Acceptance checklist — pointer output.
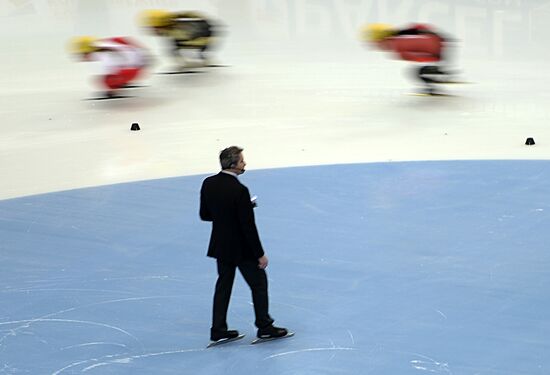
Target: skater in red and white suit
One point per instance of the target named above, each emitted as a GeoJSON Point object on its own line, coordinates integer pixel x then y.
{"type": "Point", "coordinates": [418, 43]}
{"type": "Point", "coordinates": [121, 60]}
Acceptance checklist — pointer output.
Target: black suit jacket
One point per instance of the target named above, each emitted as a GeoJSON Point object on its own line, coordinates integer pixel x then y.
{"type": "Point", "coordinates": [226, 203]}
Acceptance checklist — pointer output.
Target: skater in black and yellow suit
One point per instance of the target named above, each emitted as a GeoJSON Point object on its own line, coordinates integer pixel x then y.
{"type": "Point", "coordinates": [191, 34]}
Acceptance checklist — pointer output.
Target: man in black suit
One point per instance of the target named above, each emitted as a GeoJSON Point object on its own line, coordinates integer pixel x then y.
{"type": "Point", "coordinates": [235, 243]}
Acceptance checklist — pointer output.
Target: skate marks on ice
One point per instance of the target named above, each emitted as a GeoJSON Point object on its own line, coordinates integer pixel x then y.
{"type": "Point", "coordinates": [123, 358]}
{"type": "Point", "coordinates": [26, 323]}
{"type": "Point", "coordinates": [328, 349]}
{"type": "Point", "coordinates": [332, 348]}
{"type": "Point", "coordinates": [97, 343]}
{"type": "Point", "coordinates": [95, 362]}
{"type": "Point", "coordinates": [108, 359]}
{"type": "Point", "coordinates": [21, 324]}
{"type": "Point", "coordinates": [117, 359]}
{"type": "Point", "coordinates": [429, 365]}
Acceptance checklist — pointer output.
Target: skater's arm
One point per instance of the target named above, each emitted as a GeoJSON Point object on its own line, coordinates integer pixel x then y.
{"type": "Point", "coordinates": [203, 210]}
{"type": "Point", "coordinates": [247, 223]}
{"type": "Point", "coordinates": [422, 48]}
{"type": "Point", "coordinates": [418, 56]}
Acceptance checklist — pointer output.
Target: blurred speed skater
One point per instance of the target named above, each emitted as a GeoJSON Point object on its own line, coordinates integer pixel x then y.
{"type": "Point", "coordinates": [121, 60]}
{"type": "Point", "coordinates": [418, 43]}
{"type": "Point", "coordinates": [191, 34]}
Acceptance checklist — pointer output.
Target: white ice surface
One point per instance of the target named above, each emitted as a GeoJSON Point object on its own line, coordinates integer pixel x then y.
{"type": "Point", "coordinates": [300, 89]}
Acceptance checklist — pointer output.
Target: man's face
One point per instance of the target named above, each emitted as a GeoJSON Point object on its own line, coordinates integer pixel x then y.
{"type": "Point", "coordinates": [240, 165]}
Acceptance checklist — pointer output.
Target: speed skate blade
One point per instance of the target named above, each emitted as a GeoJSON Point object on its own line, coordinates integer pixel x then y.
{"type": "Point", "coordinates": [224, 341]}
{"type": "Point", "coordinates": [260, 340]}
{"type": "Point", "coordinates": [110, 97]}
{"type": "Point", "coordinates": [434, 95]}
{"type": "Point", "coordinates": [180, 72]}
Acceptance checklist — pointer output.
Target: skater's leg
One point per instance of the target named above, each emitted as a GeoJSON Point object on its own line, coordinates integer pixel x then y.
{"type": "Point", "coordinates": [222, 295]}
{"type": "Point", "coordinates": [127, 75]}
{"type": "Point", "coordinates": [427, 75]}
{"type": "Point", "coordinates": [178, 55]}
{"type": "Point", "coordinates": [203, 54]}
{"type": "Point", "coordinates": [257, 281]}
{"type": "Point", "coordinates": [112, 82]}
{"type": "Point", "coordinates": [119, 79]}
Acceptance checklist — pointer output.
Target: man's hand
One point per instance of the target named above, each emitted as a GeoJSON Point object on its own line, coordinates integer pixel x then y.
{"type": "Point", "coordinates": [262, 262]}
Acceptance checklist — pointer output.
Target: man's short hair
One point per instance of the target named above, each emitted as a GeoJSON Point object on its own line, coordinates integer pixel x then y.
{"type": "Point", "coordinates": [229, 157]}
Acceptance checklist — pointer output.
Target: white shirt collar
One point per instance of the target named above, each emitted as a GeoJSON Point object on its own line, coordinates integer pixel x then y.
{"type": "Point", "coordinates": [229, 172]}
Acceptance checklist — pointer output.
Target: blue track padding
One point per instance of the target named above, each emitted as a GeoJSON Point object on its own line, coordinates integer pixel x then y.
{"type": "Point", "coordinates": [390, 268]}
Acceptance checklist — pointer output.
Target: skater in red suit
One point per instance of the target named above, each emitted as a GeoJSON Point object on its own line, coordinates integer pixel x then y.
{"type": "Point", "coordinates": [121, 60]}
{"type": "Point", "coordinates": [418, 43]}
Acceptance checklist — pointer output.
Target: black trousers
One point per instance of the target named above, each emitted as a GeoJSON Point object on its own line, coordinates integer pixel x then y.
{"type": "Point", "coordinates": [256, 280]}
{"type": "Point", "coordinates": [428, 74]}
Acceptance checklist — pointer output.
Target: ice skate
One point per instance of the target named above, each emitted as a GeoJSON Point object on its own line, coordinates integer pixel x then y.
{"type": "Point", "coordinates": [271, 333]}
{"type": "Point", "coordinates": [225, 337]}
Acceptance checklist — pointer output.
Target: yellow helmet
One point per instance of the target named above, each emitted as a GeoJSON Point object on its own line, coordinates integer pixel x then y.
{"type": "Point", "coordinates": [376, 32]}
{"type": "Point", "coordinates": [82, 44]}
{"type": "Point", "coordinates": [155, 18]}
